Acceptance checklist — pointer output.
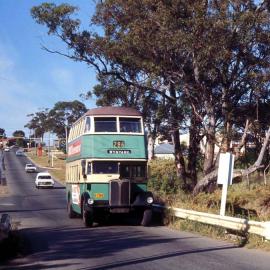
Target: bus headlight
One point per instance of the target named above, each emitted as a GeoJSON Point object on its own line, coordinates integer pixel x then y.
{"type": "Point", "coordinates": [149, 200]}
{"type": "Point", "coordinates": [90, 201]}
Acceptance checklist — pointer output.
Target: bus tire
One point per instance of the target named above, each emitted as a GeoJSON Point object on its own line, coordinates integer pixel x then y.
{"type": "Point", "coordinates": [147, 217]}
{"type": "Point", "coordinates": [71, 212]}
{"type": "Point", "coordinates": [102, 217]}
{"type": "Point", "coordinates": [87, 217]}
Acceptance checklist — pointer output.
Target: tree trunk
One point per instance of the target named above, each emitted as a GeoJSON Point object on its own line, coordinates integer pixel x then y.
{"type": "Point", "coordinates": [237, 149]}
{"type": "Point", "coordinates": [194, 149]}
{"type": "Point", "coordinates": [212, 176]}
{"type": "Point", "coordinates": [179, 159]}
{"type": "Point", "coordinates": [263, 149]}
{"type": "Point", "coordinates": [226, 140]}
{"type": "Point", "coordinates": [175, 119]}
{"type": "Point", "coordinates": [150, 146]}
{"type": "Point", "coordinates": [227, 130]}
{"type": "Point", "coordinates": [210, 146]}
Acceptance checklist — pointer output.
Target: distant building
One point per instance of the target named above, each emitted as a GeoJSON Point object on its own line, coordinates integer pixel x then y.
{"type": "Point", "coordinates": [164, 150]}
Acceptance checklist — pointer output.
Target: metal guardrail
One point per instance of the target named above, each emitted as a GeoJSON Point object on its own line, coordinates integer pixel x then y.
{"type": "Point", "coordinates": [5, 226]}
{"type": "Point", "coordinates": [238, 224]}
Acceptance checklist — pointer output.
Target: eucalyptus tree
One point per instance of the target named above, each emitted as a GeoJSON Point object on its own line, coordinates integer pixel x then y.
{"type": "Point", "coordinates": [116, 57]}
{"type": "Point", "coordinates": [19, 134]}
{"type": "Point", "coordinates": [212, 55]}
{"type": "Point", "coordinates": [63, 115]}
{"type": "Point", "coordinates": [39, 123]}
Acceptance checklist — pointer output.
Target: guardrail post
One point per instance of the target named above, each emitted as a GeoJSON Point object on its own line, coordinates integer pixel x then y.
{"type": "Point", "coordinates": [267, 230]}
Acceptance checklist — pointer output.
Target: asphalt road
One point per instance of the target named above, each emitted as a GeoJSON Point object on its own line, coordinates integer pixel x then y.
{"type": "Point", "coordinates": [56, 242]}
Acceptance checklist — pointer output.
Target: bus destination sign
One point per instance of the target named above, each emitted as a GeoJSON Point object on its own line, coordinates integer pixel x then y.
{"type": "Point", "coordinates": [121, 152]}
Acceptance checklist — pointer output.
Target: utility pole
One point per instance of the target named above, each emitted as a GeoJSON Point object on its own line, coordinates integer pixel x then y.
{"type": "Point", "coordinates": [66, 133]}
{"type": "Point", "coordinates": [49, 147]}
{"type": "Point", "coordinates": [66, 139]}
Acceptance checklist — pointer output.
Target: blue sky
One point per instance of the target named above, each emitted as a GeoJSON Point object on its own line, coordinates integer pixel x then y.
{"type": "Point", "coordinates": [31, 78]}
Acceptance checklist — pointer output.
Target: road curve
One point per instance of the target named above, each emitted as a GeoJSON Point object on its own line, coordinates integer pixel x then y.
{"type": "Point", "coordinates": [56, 242]}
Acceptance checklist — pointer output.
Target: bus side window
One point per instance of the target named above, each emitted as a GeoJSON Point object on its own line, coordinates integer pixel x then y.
{"type": "Point", "coordinates": [89, 171]}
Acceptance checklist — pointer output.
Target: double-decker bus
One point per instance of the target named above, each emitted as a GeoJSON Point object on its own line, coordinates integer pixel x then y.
{"type": "Point", "coordinates": [106, 170]}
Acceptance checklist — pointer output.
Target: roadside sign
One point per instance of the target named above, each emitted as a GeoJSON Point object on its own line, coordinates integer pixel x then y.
{"type": "Point", "coordinates": [225, 168]}
{"type": "Point", "coordinates": [225, 175]}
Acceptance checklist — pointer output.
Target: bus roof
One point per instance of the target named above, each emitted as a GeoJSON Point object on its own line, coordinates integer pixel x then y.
{"type": "Point", "coordinates": [124, 111]}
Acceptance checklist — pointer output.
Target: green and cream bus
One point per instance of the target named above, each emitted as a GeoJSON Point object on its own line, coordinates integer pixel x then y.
{"type": "Point", "coordinates": [106, 170]}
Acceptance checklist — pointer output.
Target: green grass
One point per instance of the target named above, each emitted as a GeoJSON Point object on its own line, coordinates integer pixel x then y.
{"type": "Point", "coordinates": [251, 202]}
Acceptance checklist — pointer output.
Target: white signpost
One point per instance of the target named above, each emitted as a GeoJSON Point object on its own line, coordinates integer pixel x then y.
{"type": "Point", "coordinates": [225, 173]}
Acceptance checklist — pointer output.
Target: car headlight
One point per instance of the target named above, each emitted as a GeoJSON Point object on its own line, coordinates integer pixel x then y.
{"type": "Point", "coordinates": [149, 200]}
{"type": "Point", "coordinates": [90, 201]}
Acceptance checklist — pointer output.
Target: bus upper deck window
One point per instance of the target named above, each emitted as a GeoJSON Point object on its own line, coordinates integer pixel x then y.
{"type": "Point", "coordinates": [105, 124]}
{"type": "Point", "coordinates": [130, 125]}
{"type": "Point", "coordinates": [87, 124]}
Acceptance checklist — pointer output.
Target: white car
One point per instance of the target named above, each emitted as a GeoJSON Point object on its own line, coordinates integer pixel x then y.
{"type": "Point", "coordinates": [7, 149]}
{"type": "Point", "coordinates": [44, 179]}
{"type": "Point", "coordinates": [30, 168]}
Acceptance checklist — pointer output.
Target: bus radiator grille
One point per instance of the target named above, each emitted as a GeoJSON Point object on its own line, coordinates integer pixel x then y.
{"type": "Point", "coordinates": [119, 192]}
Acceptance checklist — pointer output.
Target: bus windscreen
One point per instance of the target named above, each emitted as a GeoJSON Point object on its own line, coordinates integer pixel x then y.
{"type": "Point", "coordinates": [130, 125]}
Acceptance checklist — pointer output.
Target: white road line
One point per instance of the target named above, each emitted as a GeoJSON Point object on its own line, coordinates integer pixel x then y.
{"type": "Point", "coordinates": [7, 204]}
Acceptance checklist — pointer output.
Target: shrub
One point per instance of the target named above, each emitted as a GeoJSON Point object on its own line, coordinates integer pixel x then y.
{"type": "Point", "coordinates": [162, 177]}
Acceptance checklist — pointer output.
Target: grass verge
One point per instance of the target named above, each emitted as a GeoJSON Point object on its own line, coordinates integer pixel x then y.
{"type": "Point", "coordinates": [251, 202]}
{"type": "Point", "coordinates": [250, 241]}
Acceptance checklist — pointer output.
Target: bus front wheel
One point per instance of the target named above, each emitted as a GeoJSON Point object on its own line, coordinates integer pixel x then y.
{"type": "Point", "coordinates": [87, 217]}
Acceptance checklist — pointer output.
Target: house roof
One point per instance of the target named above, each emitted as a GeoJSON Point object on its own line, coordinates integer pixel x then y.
{"type": "Point", "coordinates": [164, 148]}
{"type": "Point", "coordinates": [126, 111]}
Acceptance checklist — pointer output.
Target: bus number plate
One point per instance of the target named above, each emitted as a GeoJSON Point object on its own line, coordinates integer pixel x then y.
{"type": "Point", "coordinates": [99, 195]}
{"type": "Point", "coordinates": [118, 144]}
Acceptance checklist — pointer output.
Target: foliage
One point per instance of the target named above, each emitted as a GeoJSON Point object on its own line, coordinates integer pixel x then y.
{"type": "Point", "coordinates": [2, 132]}
{"type": "Point", "coordinates": [162, 177]}
{"type": "Point", "coordinates": [64, 114]}
{"type": "Point", "coordinates": [61, 116]}
{"type": "Point", "coordinates": [206, 61]}
{"type": "Point", "coordinates": [248, 158]}
{"type": "Point", "coordinates": [243, 200]}
{"type": "Point", "coordinates": [18, 133]}
{"type": "Point", "coordinates": [39, 123]}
